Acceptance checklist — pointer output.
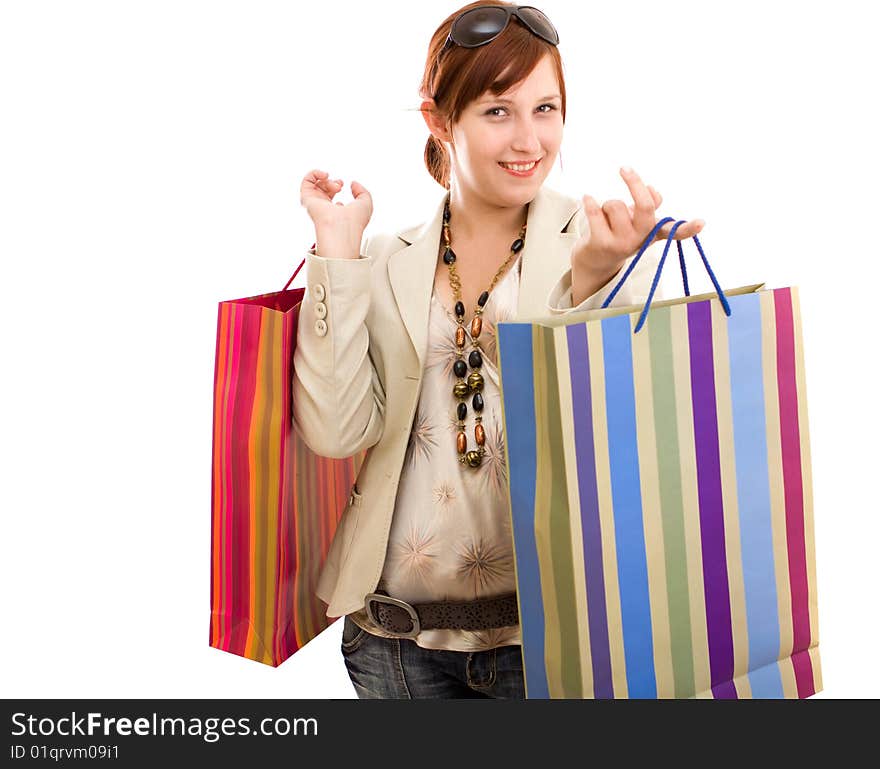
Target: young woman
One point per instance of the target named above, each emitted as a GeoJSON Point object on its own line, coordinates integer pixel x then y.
{"type": "Point", "coordinates": [396, 355]}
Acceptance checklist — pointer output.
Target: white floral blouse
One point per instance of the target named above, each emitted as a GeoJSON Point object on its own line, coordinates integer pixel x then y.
{"type": "Point", "coordinates": [450, 534]}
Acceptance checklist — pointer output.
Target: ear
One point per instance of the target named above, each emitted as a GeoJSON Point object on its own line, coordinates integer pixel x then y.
{"type": "Point", "coordinates": [435, 124]}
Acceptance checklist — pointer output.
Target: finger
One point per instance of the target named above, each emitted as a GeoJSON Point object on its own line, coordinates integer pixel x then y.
{"type": "Point", "coordinates": [330, 185]}
{"type": "Point", "coordinates": [318, 181]}
{"type": "Point", "coordinates": [685, 231]}
{"type": "Point", "coordinates": [315, 175]}
{"type": "Point", "coordinates": [643, 215]}
{"type": "Point", "coordinates": [599, 227]}
{"type": "Point", "coordinates": [358, 189]}
{"type": "Point", "coordinates": [310, 180]}
{"type": "Point", "coordinates": [658, 198]}
{"type": "Point", "coordinates": [620, 221]}
{"type": "Point", "coordinates": [309, 188]}
{"type": "Point", "coordinates": [632, 209]}
{"type": "Point", "coordinates": [323, 192]}
{"type": "Point", "coordinates": [689, 229]}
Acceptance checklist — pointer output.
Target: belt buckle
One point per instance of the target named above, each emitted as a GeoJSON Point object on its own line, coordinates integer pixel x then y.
{"type": "Point", "coordinates": [371, 597]}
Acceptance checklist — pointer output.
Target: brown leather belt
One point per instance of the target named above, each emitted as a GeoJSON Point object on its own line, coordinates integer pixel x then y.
{"type": "Point", "coordinates": [408, 620]}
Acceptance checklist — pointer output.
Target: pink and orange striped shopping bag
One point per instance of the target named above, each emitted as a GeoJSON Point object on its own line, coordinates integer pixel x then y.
{"type": "Point", "coordinates": [274, 503]}
{"type": "Point", "coordinates": [661, 498]}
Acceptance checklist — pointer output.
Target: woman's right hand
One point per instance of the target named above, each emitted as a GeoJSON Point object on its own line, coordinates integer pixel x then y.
{"type": "Point", "coordinates": [339, 227]}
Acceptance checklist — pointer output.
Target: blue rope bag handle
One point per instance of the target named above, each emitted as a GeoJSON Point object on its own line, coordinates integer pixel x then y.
{"type": "Point", "coordinates": [669, 239]}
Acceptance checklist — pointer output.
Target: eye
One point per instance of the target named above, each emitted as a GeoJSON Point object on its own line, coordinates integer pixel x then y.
{"type": "Point", "coordinates": [492, 110]}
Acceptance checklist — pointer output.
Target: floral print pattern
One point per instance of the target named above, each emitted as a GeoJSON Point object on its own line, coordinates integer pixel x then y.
{"type": "Point", "coordinates": [450, 534]}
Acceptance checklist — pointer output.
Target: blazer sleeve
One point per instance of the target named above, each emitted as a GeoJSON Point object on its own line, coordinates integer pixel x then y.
{"type": "Point", "coordinates": [338, 399]}
{"type": "Point", "coordinates": [634, 291]}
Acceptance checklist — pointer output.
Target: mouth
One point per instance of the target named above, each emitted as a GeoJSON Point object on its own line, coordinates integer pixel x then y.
{"type": "Point", "coordinates": [521, 169]}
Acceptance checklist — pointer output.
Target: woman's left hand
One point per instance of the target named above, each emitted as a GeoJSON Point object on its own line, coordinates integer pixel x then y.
{"type": "Point", "coordinates": [617, 231]}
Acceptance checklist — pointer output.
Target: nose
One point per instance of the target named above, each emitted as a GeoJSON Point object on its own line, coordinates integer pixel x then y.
{"type": "Point", "coordinates": [526, 139]}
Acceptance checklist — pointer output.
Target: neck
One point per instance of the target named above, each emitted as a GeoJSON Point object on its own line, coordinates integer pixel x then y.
{"type": "Point", "coordinates": [475, 218]}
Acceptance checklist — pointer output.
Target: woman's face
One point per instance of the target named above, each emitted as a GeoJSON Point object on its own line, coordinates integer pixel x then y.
{"type": "Point", "coordinates": [522, 124]}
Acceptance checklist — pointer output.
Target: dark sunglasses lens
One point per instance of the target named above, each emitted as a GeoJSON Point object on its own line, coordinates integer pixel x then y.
{"type": "Point", "coordinates": [540, 24]}
{"type": "Point", "coordinates": [478, 26]}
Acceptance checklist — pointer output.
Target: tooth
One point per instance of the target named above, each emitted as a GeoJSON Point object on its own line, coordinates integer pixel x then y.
{"type": "Point", "coordinates": [519, 166]}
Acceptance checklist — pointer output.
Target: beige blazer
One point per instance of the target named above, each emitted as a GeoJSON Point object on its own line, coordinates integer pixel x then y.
{"type": "Point", "coordinates": [360, 352]}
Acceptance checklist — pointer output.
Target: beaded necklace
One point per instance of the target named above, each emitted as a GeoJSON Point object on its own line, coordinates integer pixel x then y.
{"type": "Point", "coordinates": [474, 382]}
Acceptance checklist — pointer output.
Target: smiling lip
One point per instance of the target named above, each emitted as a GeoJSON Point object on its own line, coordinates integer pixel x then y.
{"type": "Point", "coordinates": [530, 172]}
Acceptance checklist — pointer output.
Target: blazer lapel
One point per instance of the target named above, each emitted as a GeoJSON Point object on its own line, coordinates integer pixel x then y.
{"type": "Point", "coordinates": [545, 257]}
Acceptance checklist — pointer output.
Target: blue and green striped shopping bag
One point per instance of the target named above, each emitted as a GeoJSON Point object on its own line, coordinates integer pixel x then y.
{"type": "Point", "coordinates": [661, 499]}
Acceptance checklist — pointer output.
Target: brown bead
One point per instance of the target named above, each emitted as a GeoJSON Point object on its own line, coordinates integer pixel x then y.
{"type": "Point", "coordinates": [476, 326]}
{"type": "Point", "coordinates": [461, 443]}
{"type": "Point", "coordinates": [459, 336]}
{"type": "Point", "coordinates": [480, 435]}
{"type": "Point", "coordinates": [460, 389]}
{"type": "Point", "coordinates": [474, 458]}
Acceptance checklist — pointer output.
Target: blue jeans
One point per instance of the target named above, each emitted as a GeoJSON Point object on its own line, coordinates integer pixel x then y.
{"type": "Point", "coordinates": [398, 668]}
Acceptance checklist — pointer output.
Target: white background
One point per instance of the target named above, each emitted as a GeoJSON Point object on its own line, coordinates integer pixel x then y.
{"type": "Point", "coordinates": [152, 154]}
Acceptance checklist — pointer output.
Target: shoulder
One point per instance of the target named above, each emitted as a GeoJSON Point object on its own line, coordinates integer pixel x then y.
{"type": "Point", "coordinates": [385, 243]}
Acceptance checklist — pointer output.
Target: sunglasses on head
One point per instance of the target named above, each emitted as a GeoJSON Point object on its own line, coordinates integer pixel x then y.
{"type": "Point", "coordinates": [482, 25]}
